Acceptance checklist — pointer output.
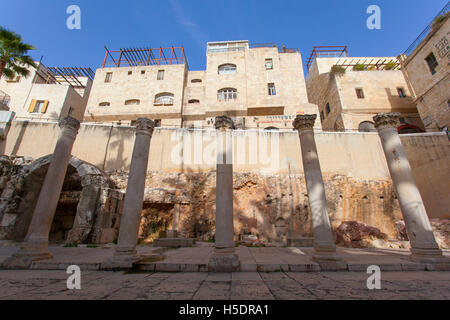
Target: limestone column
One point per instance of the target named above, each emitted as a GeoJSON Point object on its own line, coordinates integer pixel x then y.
{"type": "Point", "coordinates": [125, 253]}
{"type": "Point", "coordinates": [324, 247]}
{"type": "Point", "coordinates": [224, 259]}
{"type": "Point", "coordinates": [35, 246]}
{"type": "Point", "coordinates": [418, 227]}
{"type": "Point", "coordinates": [173, 233]}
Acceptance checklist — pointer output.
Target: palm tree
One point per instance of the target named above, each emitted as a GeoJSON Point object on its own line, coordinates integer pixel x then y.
{"type": "Point", "coordinates": [14, 60]}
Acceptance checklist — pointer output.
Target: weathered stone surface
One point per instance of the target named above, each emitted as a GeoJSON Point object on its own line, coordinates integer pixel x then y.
{"type": "Point", "coordinates": [354, 234]}
{"type": "Point", "coordinates": [270, 207]}
{"type": "Point", "coordinates": [84, 186]}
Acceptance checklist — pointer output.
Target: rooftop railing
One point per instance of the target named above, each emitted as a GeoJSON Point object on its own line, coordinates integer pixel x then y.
{"type": "Point", "coordinates": [426, 31]}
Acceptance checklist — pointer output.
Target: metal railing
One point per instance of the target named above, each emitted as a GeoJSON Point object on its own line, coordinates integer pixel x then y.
{"type": "Point", "coordinates": [426, 31]}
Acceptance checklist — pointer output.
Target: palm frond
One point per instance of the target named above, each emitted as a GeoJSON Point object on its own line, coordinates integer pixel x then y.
{"type": "Point", "coordinates": [13, 54]}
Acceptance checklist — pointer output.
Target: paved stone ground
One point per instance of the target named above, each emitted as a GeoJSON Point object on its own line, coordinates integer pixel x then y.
{"type": "Point", "coordinates": [104, 285]}
{"type": "Point", "coordinates": [266, 259]}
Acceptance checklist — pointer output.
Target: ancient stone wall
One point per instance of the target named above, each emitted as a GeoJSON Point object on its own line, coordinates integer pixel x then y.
{"type": "Point", "coordinates": [270, 192]}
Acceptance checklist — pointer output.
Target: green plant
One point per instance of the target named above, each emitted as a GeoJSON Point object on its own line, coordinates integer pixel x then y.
{"type": "Point", "coordinates": [439, 20]}
{"type": "Point", "coordinates": [71, 245]}
{"type": "Point", "coordinates": [14, 60]}
{"type": "Point", "coordinates": [390, 65]}
{"type": "Point", "coordinates": [359, 67]}
{"type": "Point", "coordinates": [92, 246]}
{"type": "Point", "coordinates": [337, 70]}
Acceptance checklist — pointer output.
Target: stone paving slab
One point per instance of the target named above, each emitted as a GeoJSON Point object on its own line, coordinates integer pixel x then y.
{"type": "Point", "coordinates": [107, 285]}
{"type": "Point", "coordinates": [253, 259]}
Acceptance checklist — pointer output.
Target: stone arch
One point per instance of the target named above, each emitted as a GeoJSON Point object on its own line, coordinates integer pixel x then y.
{"type": "Point", "coordinates": [366, 126]}
{"type": "Point", "coordinates": [90, 188]}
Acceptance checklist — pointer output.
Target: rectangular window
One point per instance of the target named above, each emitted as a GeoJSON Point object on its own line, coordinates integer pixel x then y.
{"type": "Point", "coordinates": [271, 88]}
{"type": "Point", "coordinates": [401, 93]}
{"type": "Point", "coordinates": [432, 63]}
{"type": "Point", "coordinates": [322, 116]}
{"type": "Point", "coordinates": [142, 71]}
{"type": "Point", "coordinates": [360, 93]}
{"type": "Point", "coordinates": [108, 77]}
{"type": "Point", "coordinates": [327, 108]}
{"type": "Point", "coordinates": [160, 75]}
{"type": "Point", "coordinates": [38, 106]}
{"type": "Point", "coordinates": [157, 123]}
{"type": "Point", "coordinates": [269, 64]}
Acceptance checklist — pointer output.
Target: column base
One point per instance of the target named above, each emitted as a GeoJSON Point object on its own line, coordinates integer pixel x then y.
{"type": "Point", "coordinates": [172, 233]}
{"type": "Point", "coordinates": [123, 259]}
{"type": "Point", "coordinates": [224, 260]}
{"type": "Point", "coordinates": [328, 259]}
{"type": "Point", "coordinates": [28, 253]}
{"type": "Point", "coordinates": [428, 256]}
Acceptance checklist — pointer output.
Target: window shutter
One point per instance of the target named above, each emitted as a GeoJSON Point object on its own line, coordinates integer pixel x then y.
{"type": "Point", "coordinates": [32, 105]}
{"type": "Point", "coordinates": [44, 109]}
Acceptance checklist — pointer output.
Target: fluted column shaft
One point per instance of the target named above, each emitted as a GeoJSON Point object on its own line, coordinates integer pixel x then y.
{"type": "Point", "coordinates": [35, 245]}
{"type": "Point", "coordinates": [223, 258]}
{"type": "Point", "coordinates": [132, 208]}
{"type": "Point", "coordinates": [324, 246]}
{"type": "Point", "coordinates": [414, 214]}
{"type": "Point", "coordinates": [224, 240]}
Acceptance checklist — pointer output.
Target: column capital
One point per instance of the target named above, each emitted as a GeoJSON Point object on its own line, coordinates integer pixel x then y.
{"type": "Point", "coordinates": [69, 123]}
{"type": "Point", "coordinates": [144, 126]}
{"type": "Point", "coordinates": [386, 120]}
{"type": "Point", "coordinates": [223, 123]}
{"type": "Point", "coordinates": [304, 122]}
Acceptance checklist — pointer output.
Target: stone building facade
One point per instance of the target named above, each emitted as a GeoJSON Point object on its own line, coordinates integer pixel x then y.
{"type": "Point", "coordinates": [350, 91]}
{"type": "Point", "coordinates": [47, 94]}
{"type": "Point", "coordinates": [260, 86]}
{"type": "Point", "coordinates": [427, 69]}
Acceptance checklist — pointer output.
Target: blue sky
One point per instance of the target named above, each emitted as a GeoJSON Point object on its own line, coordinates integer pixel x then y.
{"type": "Point", "coordinates": [191, 23]}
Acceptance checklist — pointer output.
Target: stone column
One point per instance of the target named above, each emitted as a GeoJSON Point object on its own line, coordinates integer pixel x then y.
{"type": "Point", "coordinates": [125, 254]}
{"type": "Point", "coordinates": [35, 246]}
{"type": "Point", "coordinates": [224, 259]}
{"type": "Point", "coordinates": [423, 244]}
{"type": "Point", "coordinates": [173, 233]}
{"type": "Point", "coordinates": [324, 247]}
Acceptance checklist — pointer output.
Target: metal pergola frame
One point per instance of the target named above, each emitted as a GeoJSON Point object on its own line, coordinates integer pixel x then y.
{"type": "Point", "coordinates": [380, 64]}
{"type": "Point", "coordinates": [135, 57]}
{"type": "Point", "coordinates": [326, 51]}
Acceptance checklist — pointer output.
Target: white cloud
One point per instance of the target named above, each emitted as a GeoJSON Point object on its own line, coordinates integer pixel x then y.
{"type": "Point", "coordinates": [187, 23]}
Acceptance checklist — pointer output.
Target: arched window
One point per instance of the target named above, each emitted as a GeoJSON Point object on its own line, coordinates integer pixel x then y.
{"type": "Point", "coordinates": [271, 128]}
{"type": "Point", "coordinates": [228, 68]}
{"type": "Point", "coordinates": [408, 128]}
{"type": "Point", "coordinates": [104, 104]}
{"type": "Point", "coordinates": [196, 80]}
{"type": "Point", "coordinates": [194, 101]}
{"type": "Point", "coordinates": [132, 102]}
{"type": "Point", "coordinates": [366, 126]}
{"type": "Point", "coordinates": [164, 99]}
{"type": "Point", "coordinates": [227, 94]}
